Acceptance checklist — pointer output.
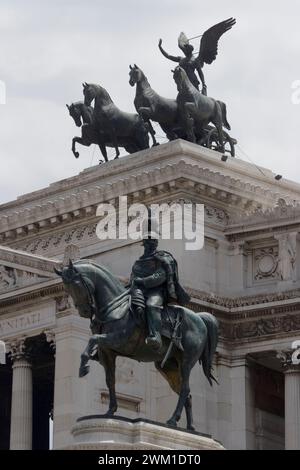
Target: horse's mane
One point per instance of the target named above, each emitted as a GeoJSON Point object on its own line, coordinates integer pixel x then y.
{"type": "Point", "coordinates": [77, 103]}
{"type": "Point", "coordinates": [144, 76]}
{"type": "Point", "coordinates": [105, 96]}
{"type": "Point", "coordinates": [101, 268]}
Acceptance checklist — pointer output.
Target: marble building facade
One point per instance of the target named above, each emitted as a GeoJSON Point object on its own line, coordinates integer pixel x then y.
{"type": "Point", "coordinates": [247, 274]}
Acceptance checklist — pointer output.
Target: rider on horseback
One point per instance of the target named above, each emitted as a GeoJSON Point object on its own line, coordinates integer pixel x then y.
{"type": "Point", "coordinates": [155, 277]}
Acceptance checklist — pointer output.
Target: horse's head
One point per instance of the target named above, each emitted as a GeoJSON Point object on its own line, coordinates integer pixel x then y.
{"type": "Point", "coordinates": [90, 285]}
{"type": "Point", "coordinates": [135, 75]}
{"type": "Point", "coordinates": [89, 93]}
{"type": "Point", "coordinates": [79, 287]}
{"type": "Point", "coordinates": [92, 92]}
{"type": "Point", "coordinates": [75, 113]}
{"type": "Point", "coordinates": [179, 76]}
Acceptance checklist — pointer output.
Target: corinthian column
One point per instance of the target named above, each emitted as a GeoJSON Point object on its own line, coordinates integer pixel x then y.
{"type": "Point", "coordinates": [292, 399]}
{"type": "Point", "coordinates": [21, 402]}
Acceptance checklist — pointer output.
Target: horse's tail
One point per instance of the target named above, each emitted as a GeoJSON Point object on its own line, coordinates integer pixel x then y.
{"type": "Point", "coordinates": [206, 358]}
{"type": "Point", "coordinates": [224, 115]}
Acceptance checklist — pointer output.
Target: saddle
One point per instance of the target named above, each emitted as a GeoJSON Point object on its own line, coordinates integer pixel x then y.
{"type": "Point", "coordinates": [172, 316]}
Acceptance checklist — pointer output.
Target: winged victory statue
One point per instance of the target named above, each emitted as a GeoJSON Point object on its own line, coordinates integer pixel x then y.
{"type": "Point", "coordinates": [208, 52]}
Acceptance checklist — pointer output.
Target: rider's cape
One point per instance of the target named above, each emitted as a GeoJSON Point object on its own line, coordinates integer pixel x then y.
{"type": "Point", "coordinates": [175, 292]}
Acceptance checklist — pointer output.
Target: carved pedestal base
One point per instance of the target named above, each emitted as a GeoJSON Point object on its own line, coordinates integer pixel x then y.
{"type": "Point", "coordinates": [100, 433]}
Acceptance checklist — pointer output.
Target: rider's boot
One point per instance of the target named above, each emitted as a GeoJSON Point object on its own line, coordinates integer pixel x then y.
{"type": "Point", "coordinates": [154, 327]}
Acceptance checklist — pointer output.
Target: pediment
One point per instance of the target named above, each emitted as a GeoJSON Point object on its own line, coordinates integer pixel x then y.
{"type": "Point", "coordinates": [18, 269]}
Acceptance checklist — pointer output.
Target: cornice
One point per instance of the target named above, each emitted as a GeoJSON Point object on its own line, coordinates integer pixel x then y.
{"type": "Point", "coordinates": [23, 259]}
{"type": "Point", "coordinates": [281, 217]}
{"type": "Point", "coordinates": [150, 173]}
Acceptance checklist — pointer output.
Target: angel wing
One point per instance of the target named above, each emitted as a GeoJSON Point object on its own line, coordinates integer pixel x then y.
{"type": "Point", "coordinates": [209, 42]}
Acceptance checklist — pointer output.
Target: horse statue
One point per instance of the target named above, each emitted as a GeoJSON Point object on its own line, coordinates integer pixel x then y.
{"type": "Point", "coordinates": [198, 110]}
{"type": "Point", "coordinates": [83, 117]}
{"type": "Point", "coordinates": [119, 331]}
{"type": "Point", "coordinates": [121, 128]}
{"type": "Point", "coordinates": [150, 105]}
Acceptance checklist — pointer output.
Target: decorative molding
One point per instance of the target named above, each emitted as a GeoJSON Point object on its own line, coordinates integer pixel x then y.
{"type": "Point", "coordinates": [260, 300]}
{"type": "Point", "coordinates": [39, 293]}
{"type": "Point", "coordinates": [12, 278]}
{"type": "Point", "coordinates": [63, 303]}
{"type": "Point", "coordinates": [9, 256]}
{"type": "Point", "coordinates": [180, 166]}
{"type": "Point", "coordinates": [50, 338]}
{"type": "Point", "coordinates": [287, 358]}
{"type": "Point", "coordinates": [84, 234]}
{"type": "Point", "coordinates": [265, 263]}
{"type": "Point", "coordinates": [71, 253]}
{"type": "Point", "coordinates": [260, 328]}
{"type": "Point", "coordinates": [59, 241]}
{"type": "Point", "coordinates": [281, 211]}
{"type": "Point", "coordinates": [265, 220]}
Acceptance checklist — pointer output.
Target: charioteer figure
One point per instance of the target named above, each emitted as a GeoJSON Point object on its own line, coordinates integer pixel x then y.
{"type": "Point", "coordinates": [155, 284]}
{"type": "Point", "coordinates": [208, 51]}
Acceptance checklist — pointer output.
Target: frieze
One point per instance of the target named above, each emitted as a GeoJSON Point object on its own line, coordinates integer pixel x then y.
{"type": "Point", "coordinates": [281, 211]}
{"type": "Point", "coordinates": [54, 243]}
{"type": "Point", "coordinates": [79, 203]}
{"type": "Point", "coordinates": [262, 327]}
{"type": "Point", "coordinates": [84, 233]}
{"type": "Point", "coordinates": [14, 325]}
{"type": "Point", "coordinates": [245, 301]}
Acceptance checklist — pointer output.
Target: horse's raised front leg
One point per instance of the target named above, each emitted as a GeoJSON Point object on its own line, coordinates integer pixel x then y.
{"type": "Point", "coordinates": [109, 364]}
{"type": "Point", "coordinates": [79, 141]}
{"type": "Point", "coordinates": [85, 357]}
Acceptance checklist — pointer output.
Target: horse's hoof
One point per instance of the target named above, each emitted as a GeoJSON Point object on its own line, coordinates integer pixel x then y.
{"type": "Point", "coordinates": [116, 157]}
{"type": "Point", "coordinates": [109, 413]}
{"type": "Point", "coordinates": [172, 422]}
{"type": "Point", "coordinates": [76, 154]}
{"type": "Point", "coordinates": [156, 144]}
{"type": "Point", "coordinates": [191, 428]}
{"type": "Point", "coordinates": [101, 161]}
{"type": "Point", "coordinates": [83, 371]}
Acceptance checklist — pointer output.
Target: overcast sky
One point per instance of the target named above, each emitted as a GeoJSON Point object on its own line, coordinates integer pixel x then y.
{"type": "Point", "coordinates": [48, 48]}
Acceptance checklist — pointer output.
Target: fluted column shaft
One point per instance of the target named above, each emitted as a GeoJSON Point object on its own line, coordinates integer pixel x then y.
{"type": "Point", "coordinates": [292, 408]}
{"type": "Point", "coordinates": [21, 403]}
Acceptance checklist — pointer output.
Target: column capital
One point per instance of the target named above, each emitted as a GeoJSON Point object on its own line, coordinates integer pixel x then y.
{"type": "Point", "coordinates": [290, 358]}
{"type": "Point", "coordinates": [50, 338]}
{"type": "Point", "coordinates": [18, 349]}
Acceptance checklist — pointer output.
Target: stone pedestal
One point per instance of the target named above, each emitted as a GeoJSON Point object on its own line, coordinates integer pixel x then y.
{"type": "Point", "coordinates": [100, 433]}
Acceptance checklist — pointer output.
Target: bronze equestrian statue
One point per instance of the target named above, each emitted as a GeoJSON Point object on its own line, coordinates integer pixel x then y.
{"type": "Point", "coordinates": [118, 125]}
{"type": "Point", "coordinates": [172, 336]}
{"type": "Point", "coordinates": [197, 110]}
{"type": "Point", "coordinates": [90, 134]}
